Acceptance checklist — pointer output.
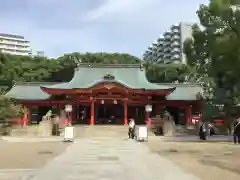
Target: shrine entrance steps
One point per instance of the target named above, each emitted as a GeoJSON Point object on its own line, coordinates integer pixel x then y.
{"type": "Point", "coordinates": [185, 130]}
{"type": "Point", "coordinates": [81, 131]}
{"type": "Point", "coordinates": [101, 131]}
{"type": "Point", "coordinates": [30, 131]}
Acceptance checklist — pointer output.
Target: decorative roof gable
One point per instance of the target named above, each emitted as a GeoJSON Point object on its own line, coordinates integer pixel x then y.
{"type": "Point", "coordinates": [108, 77]}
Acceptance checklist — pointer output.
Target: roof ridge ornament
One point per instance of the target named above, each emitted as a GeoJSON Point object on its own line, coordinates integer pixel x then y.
{"type": "Point", "coordinates": [108, 77]}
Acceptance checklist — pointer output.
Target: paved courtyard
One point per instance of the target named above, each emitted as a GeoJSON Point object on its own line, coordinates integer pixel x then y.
{"type": "Point", "coordinates": [109, 158]}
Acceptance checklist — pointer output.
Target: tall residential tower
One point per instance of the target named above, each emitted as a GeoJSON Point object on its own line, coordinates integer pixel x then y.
{"type": "Point", "coordinates": [168, 48]}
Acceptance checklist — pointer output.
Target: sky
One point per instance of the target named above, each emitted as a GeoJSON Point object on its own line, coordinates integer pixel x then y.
{"type": "Point", "coordinates": [64, 26]}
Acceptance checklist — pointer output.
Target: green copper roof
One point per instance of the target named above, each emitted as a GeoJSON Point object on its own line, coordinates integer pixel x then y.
{"type": "Point", "coordinates": [186, 92]}
{"type": "Point", "coordinates": [88, 75]}
{"type": "Point", "coordinates": [28, 91]}
{"type": "Point", "coordinates": [32, 91]}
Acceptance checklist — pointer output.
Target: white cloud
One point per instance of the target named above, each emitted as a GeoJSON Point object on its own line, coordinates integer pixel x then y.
{"type": "Point", "coordinates": [120, 8]}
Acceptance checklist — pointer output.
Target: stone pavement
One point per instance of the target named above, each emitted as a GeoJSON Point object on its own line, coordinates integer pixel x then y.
{"type": "Point", "coordinates": [31, 139]}
{"type": "Point", "coordinates": [108, 159]}
{"type": "Point", "coordinates": [15, 174]}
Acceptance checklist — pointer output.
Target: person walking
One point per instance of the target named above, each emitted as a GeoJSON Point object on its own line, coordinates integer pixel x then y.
{"type": "Point", "coordinates": [131, 128]}
{"type": "Point", "coordinates": [236, 131]}
{"type": "Point", "coordinates": [203, 131]}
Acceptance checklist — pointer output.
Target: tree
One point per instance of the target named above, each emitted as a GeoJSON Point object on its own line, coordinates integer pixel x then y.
{"type": "Point", "coordinates": [160, 73]}
{"type": "Point", "coordinates": [8, 109]}
{"type": "Point", "coordinates": [214, 51]}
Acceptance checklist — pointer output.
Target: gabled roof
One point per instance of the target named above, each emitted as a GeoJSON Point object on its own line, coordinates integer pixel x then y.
{"type": "Point", "coordinates": [88, 75]}
{"type": "Point", "coordinates": [33, 91]}
{"type": "Point", "coordinates": [186, 92]}
{"type": "Point", "coordinates": [28, 91]}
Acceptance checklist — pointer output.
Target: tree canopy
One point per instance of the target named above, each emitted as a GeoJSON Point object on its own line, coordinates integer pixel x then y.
{"type": "Point", "coordinates": [214, 51]}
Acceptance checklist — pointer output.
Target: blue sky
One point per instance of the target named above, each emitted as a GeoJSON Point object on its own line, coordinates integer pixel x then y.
{"type": "Point", "coordinates": [62, 26]}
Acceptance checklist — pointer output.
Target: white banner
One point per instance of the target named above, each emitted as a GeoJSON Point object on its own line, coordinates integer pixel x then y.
{"type": "Point", "coordinates": [68, 133]}
{"type": "Point", "coordinates": [148, 108]}
{"type": "Point", "coordinates": [68, 108]}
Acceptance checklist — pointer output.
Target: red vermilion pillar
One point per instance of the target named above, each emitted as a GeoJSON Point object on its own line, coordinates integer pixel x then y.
{"type": "Point", "coordinates": [147, 115]}
{"type": "Point", "coordinates": [125, 113]}
{"type": "Point", "coordinates": [189, 114]}
{"type": "Point", "coordinates": [70, 118]}
{"type": "Point", "coordinates": [92, 113]}
{"type": "Point", "coordinates": [25, 116]}
{"type": "Point", "coordinates": [148, 121]}
{"type": "Point", "coordinates": [59, 108]}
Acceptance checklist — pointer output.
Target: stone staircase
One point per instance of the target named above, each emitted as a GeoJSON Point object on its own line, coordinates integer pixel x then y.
{"type": "Point", "coordinates": [81, 131]}
{"type": "Point", "coordinates": [185, 130]}
{"type": "Point", "coordinates": [31, 131]}
{"type": "Point", "coordinates": [101, 131]}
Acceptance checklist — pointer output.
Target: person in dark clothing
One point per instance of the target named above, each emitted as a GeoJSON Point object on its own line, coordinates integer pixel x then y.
{"type": "Point", "coordinates": [236, 131]}
{"type": "Point", "coordinates": [203, 132]}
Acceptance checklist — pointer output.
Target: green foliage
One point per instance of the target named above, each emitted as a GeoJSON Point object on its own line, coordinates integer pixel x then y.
{"type": "Point", "coordinates": [8, 109]}
{"type": "Point", "coordinates": [214, 51]}
{"type": "Point", "coordinates": [26, 68]}
{"type": "Point", "coordinates": [158, 73]}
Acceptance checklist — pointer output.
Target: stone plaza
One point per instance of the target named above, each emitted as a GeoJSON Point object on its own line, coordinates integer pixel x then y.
{"type": "Point", "coordinates": [109, 158]}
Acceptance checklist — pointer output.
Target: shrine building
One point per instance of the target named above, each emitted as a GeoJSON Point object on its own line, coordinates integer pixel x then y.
{"type": "Point", "coordinates": [108, 94]}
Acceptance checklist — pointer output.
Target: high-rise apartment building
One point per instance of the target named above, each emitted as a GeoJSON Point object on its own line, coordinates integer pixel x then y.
{"type": "Point", "coordinates": [14, 44]}
{"type": "Point", "coordinates": [169, 47]}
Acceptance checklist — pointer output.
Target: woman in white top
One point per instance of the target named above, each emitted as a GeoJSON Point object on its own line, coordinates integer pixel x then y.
{"type": "Point", "coordinates": [131, 128]}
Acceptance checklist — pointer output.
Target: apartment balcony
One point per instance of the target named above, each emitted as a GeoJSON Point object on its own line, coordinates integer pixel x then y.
{"type": "Point", "coordinates": [13, 47]}
{"type": "Point", "coordinates": [154, 58]}
{"type": "Point", "coordinates": [160, 51]}
{"type": "Point", "coordinates": [12, 38]}
{"type": "Point", "coordinates": [176, 61]}
{"type": "Point", "coordinates": [149, 54]}
{"type": "Point", "coordinates": [150, 49]}
{"type": "Point", "coordinates": [21, 53]}
{"type": "Point", "coordinates": [176, 25]}
{"type": "Point", "coordinates": [167, 36]}
{"type": "Point", "coordinates": [154, 45]}
{"type": "Point", "coordinates": [175, 28]}
{"type": "Point", "coordinates": [167, 56]}
{"type": "Point", "coordinates": [167, 50]}
{"type": "Point", "coordinates": [167, 61]}
{"type": "Point", "coordinates": [176, 31]}
{"type": "Point", "coordinates": [160, 54]}
{"type": "Point", "coordinates": [175, 56]}
{"type": "Point", "coordinates": [167, 44]}
{"type": "Point", "coordinates": [160, 60]}
{"type": "Point", "coordinates": [160, 44]}
{"type": "Point", "coordinates": [175, 50]}
{"type": "Point", "coordinates": [175, 44]}
{"type": "Point", "coordinates": [160, 48]}
{"type": "Point", "coordinates": [175, 37]}
{"type": "Point", "coordinates": [14, 42]}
